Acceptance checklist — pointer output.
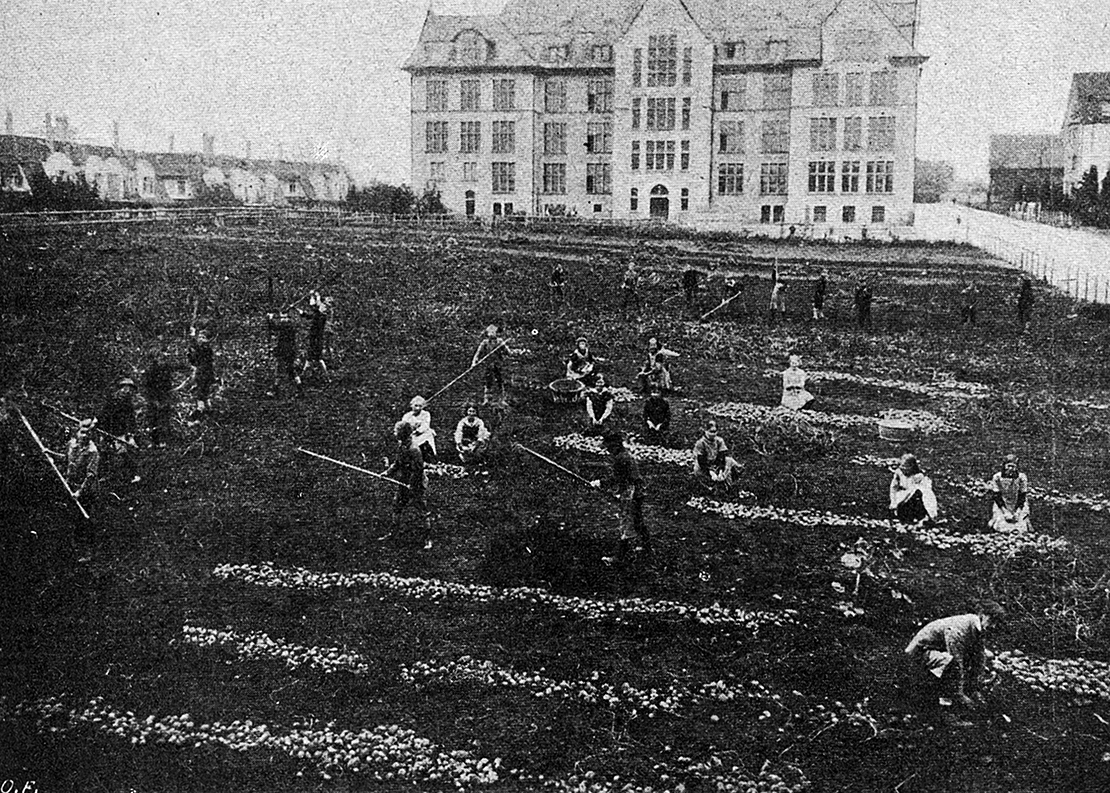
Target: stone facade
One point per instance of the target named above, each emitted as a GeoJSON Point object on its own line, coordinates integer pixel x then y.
{"type": "Point", "coordinates": [690, 111]}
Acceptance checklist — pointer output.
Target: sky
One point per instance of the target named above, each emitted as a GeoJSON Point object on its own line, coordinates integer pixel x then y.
{"type": "Point", "coordinates": [319, 79]}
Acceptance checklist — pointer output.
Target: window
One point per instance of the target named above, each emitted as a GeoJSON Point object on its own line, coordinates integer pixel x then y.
{"type": "Point", "coordinates": [504, 177]}
{"type": "Point", "coordinates": [635, 113]}
{"type": "Point", "coordinates": [557, 53]}
{"type": "Point", "coordinates": [730, 50]}
{"type": "Point", "coordinates": [826, 89]}
{"type": "Point", "coordinates": [849, 176]}
{"type": "Point", "coordinates": [504, 136]}
{"type": "Point", "coordinates": [687, 65]}
{"type": "Point", "coordinates": [776, 91]}
{"type": "Point", "coordinates": [599, 138]}
{"type": "Point", "coordinates": [597, 207]}
{"type": "Point", "coordinates": [555, 96]}
{"type": "Point", "coordinates": [635, 155]}
{"type": "Point", "coordinates": [660, 114]}
{"type": "Point", "coordinates": [599, 178]}
{"type": "Point", "coordinates": [555, 178]}
{"type": "Point", "coordinates": [470, 95]}
{"type": "Point", "coordinates": [637, 61]}
{"type": "Point", "coordinates": [599, 96]}
{"type": "Point", "coordinates": [822, 134]}
{"type": "Point", "coordinates": [470, 172]}
{"type": "Point", "coordinates": [880, 176]}
{"type": "Point", "coordinates": [822, 176]}
{"type": "Point", "coordinates": [496, 209]}
{"type": "Point", "coordinates": [730, 178]}
{"type": "Point", "coordinates": [662, 61]}
{"type": "Point", "coordinates": [684, 155]}
{"type": "Point", "coordinates": [820, 214]}
{"type": "Point", "coordinates": [731, 137]}
{"type": "Point", "coordinates": [848, 215]}
{"type": "Point", "coordinates": [853, 133]}
{"type": "Point", "coordinates": [472, 47]}
{"type": "Point", "coordinates": [633, 200]}
{"type": "Point", "coordinates": [660, 155]}
{"type": "Point", "coordinates": [504, 94]}
{"type": "Point", "coordinates": [437, 172]}
{"type": "Point", "coordinates": [470, 137]}
{"type": "Point", "coordinates": [733, 93]}
{"type": "Point", "coordinates": [853, 89]}
{"type": "Point", "coordinates": [772, 178]}
{"type": "Point", "coordinates": [601, 53]}
{"type": "Point", "coordinates": [554, 138]}
{"type": "Point", "coordinates": [684, 199]}
{"type": "Point", "coordinates": [686, 112]}
{"type": "Point", "coordinates": [765, 213]}
{"type": "Point", "coordinates": [437, 96]}
{"type": "Point", "coordinates": [878, 214]}
{"type": "Point", "coordinates": [435, 137]}
{"type": "Point", "coordinates": [775, 137]}
{"type": "Point", "coordinates": [778, 213]}
{"type": "Point", "coordinates": [880, 133]}
{"type": "Point", "coordinates": [882, 88]}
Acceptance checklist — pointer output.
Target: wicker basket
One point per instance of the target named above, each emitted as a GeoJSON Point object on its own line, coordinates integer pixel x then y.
{"type": "Point", "coordinates": [895, 430]}
{"type": "Point", "coordinates": [566, 391]}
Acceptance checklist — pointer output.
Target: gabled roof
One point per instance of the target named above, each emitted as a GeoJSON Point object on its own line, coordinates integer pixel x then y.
{"type": "Point", "coordinates": [1088, 99]}
{"type": "Point", "coordinates": [525, 29]}
{"type": "Point", "coordinates": [1026, 151]}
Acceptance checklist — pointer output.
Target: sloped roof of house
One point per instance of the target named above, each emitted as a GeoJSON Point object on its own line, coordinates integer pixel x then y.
{"type": "Point", "coordinates": [526, 29]}
{"type": "Point", "coordinates": [1089, 99]}
{"type": "Point", "coordinates": [1026, 152]}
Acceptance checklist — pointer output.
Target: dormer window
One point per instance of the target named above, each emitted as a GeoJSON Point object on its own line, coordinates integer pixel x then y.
{"type": "Point", "coordinates": [730, 50]}
{"type": "Point", "coordinates": [601, 53]}
{"type": "Point", "coordinates": [471, 47]}
{"type": "Point", "coordinates": [557, 54]}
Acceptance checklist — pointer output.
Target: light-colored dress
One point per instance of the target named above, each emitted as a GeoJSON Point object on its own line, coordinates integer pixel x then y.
{"type": "Point", "coordinates": [1012, 517]}
{"type": "Point", "coordinates": [902, 487]}
{"type": "Point", "coordinates": [794, 394]}
{"type": "Point", "coordinates": [422, 431]}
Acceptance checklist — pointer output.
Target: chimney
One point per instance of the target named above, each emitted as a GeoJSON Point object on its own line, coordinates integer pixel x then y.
{"type": "Point", "coordinates": [171, 143]}
{"type": "Point", "coordinates": [115, 136]}
{"type": "Point", "coordinates": [9, 123]}
{"type": "Point", "coordinates": [248, 149]}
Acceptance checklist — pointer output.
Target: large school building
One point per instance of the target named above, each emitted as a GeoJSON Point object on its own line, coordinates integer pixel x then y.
{"type": "Point", "coordinates": [790, 112]}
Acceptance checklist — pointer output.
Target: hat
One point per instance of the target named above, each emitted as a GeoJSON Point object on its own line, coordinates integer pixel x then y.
{"type": "Point", "coordinates": [86, 424]}
{"type": "Point", "coordinates": [491, 329]}
{"type": "Point", "coordinates": [417, 400]}
{"type": "Point", "coordinates": [580, 338]}
{"type": "Point", "coordinates": [126, 381]}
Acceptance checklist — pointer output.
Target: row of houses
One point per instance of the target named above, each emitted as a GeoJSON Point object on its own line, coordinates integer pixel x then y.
{"type": "Point", "coordinates": [1033, 168]}
{"type": "Point", "coordinates": [163, 178]}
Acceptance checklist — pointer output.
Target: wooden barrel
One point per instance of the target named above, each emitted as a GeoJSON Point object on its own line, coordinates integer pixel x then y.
{"type": "Point", "coordinates": [566, 391]}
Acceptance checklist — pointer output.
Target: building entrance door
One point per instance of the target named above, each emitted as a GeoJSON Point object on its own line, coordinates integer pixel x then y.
{"type": "Point", "coordinates": [660, 203]}
{"type": "Point", "coordinates": [470, 203]}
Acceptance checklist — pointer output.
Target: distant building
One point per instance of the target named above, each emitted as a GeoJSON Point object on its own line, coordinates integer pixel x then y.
{"type": "Point", "coordinates": [792, 112]}
{"type": "Point", "coordinates": [1086, 131]}
{"type": "Point", "coordinates": [1025, 169]}
{"type": "Point", "coordinates": [121, 176]}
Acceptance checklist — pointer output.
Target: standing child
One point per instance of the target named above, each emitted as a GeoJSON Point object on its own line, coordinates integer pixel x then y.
{"type": "Point", "coordinates": [820, 288]}
{"type": "Point", "coordinates": [629, 486]}
{"type": "Point", "coordinates": [493, 350]}
{"type": "Point", "coordinates": [202, 359]}
{"type": "Point", "coordinates": [408, 469]}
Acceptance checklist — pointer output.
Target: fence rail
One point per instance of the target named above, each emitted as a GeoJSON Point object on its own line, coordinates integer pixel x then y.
{"type": "Point", "coordinates": [1076, 261]}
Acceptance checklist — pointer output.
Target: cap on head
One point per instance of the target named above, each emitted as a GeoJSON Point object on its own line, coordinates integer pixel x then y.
{"type": "Point", "coordinates": [418, 401]}
{"type": "Point", "coordinates": [86, 424]}
{"type": "Point", "coordinates": [580, 340]}
{"type": "Point", "coordinates": [491, 330]}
